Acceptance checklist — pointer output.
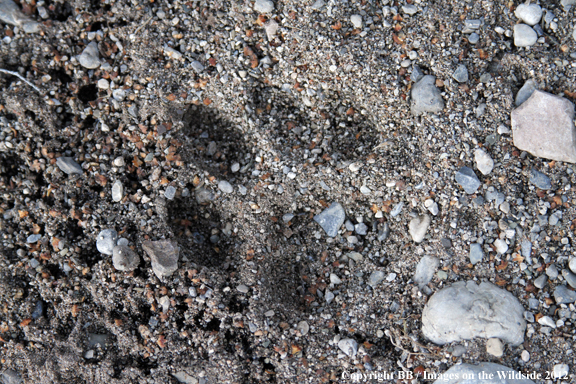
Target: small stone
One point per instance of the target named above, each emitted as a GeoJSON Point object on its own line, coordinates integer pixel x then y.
{"type": "Point", "coordinates": [356, 21]}
{"type": "Point", "coordinates": [484, 162]}
{"type": "Point", "coordinates": [361, 229]}
{"type": "Point", "coordinates": [572, 264]}
{"type": "Point", "coordinates": [471, 25]}
{"type": "Point", "coordinates": [69, 166]}
{"type": "Point", "coordinates": [334, 279]}
{"type": "Point", "coordinates": [540, 180]}
{"type": "Point", "coordinates": [10, 13]}
{"type": "Point", "coordinates": [33, 238]}
{"type": "Point", "coordinates": [526, 91]}
{"type": "Point", "coordinates": [164, 255]}
{"type": "Point", "coordinates": [303, 327]}
{"type": "Point", "coordinates": [473, 38]}
{"type": "Point", "coordinates": [124, 258]}
{"type": "Point", "coordinates": [225, 186]}
{"type": "Point", "coordinates": [197, 66]}
{"type": "Point", "coordinates": [458, 350]}
{"type": "Point", "coordinates": [547, 321]}
{"type": "Point", "coordinates": [417, 74]}
{"type": "Point", "coordinates": [119, 162]}
{"type": "Point", "coordinates": [318, 5]}
{"type": "Point", "coordinates": [184, 378]}
{"type": "Point", "coordinates": [501, 246]}
{"type": "Point", "coordinates": [204, 196]}
{"type": "Point", "coordinates": [38, 310]}
{"type": "Point", "coordinates": [524, 36]}
{"type": "Point", "coordinates": [331, 219]}
{"type": "Point", "coordinates": [563, 295]}
{"type": "Point", "coordinates": [106, 241]}
{"type": "Point", "coordinates": [397, 209]}
{"type": "Point", "coordinates": [263, 6]}
{"type": "Point", "coordinates": [235, 167]}
{"type": "Point", "coordinates": [269, 313]}
{"type": "Point", "coordinates": [271, 27]}
{"type": "Point", "coordinates": [432, 206]}
{"type": "Point", "coordinates": [426, 97]}
{"type": "Point", "coordinates": [170, 192]}
{"type": "Point", "coordinates": [348, 346]}
{"type": "Point", "coordinates": [242, 288]}
{"type": "Point", "coordinates": [103, 84]}
{"type": "Point", "coordinates": [425, 270]}
{"type": "Point", "coordinates": [552, 271]}
{"type": "Point", "coordinates": [461, 74]}
{"type": "Point", "coordinates": [328, 296]}
{"type": "Point", "coordinates": [122, 241]}
{"type": "Point", "coordinates": [90, 57]}
{"type": "Point", "coordinates": [376, 278]}
{"type": "Point", "coordinates": [418, 227]}
{"type": "Point", "coordinates": [560, 371]}
{"type": "Point", "coordinates": [529, 13]}
{"type": "Point", "coordinates": [117, 191]}
{"type": "Point", "coordinates": [468, 180]}
{"type": "Point", "coordinates": [10, 376]}
{"type": "Point", "coordinates": [525, 356]}
{"type": "Point", "coordinates": [540, 281]}
{"type": "Point", "coordinates": [476, 253]}
{"type": "Point", "coordinates": [495, 347]}
{"type": "Point", "coordinates": [466, 310]}
{"type": "Point", "coordinates": [570, 278]}
{"type": "Point", "coordinates": [410, 9]}
{"type": "Point", "coordinates": [383, 232]}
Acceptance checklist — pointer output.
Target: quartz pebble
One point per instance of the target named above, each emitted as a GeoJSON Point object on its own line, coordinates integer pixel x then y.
{"type": "Point", "coordinates": [356, 21]}
{"type": "Point", "coordinates": [225, 186]}
{"type": "Point", "coordinates": [483, 373]}
{"type": "Point", "coordinates": [263, 6]}
{"type": "Point", "coordinates": [418, 227]}
{"type": "Point", "coordinates": [348, 346]}
{"type": "Point", "coordinates": [543, 126]}
{"type": "Point", "coordinates": [331, 219]}
{"type": "Point", "coordinates": [124, 258]}
{"type": "Point", "coordinates": [106, 241]}
{"type": "Point", "coordinates": [526, 91]}
{"type": "Point", "coordinates": [476, 254]}
{"type": "Point", "coordinates": [303, 327]}
{"type": "Point", "coordinates": [170, 192]}
{"type": "Point", "coordinates": [117, 191]}
{"type": "Point", "coordinates": [376, 278]}
{"type": "Point", "coordinates": [425, 270]}
{"type": "Point", "coordinates": [461, 74]}
{"type": "Point", "coordinates": [484, 162]}
{"type": "Point", "coordinates": [426, 97]}
{"type": "Point", "coordinates": [69, 166]}
{"type": "Point", "coordinates": [164, 255]}
{"type": "Point", "coordinates": [90, 57]}
{"type": "Point", "coordinates": [466, 310]}
{"type": "Point", "coordinates": [524, 36]}
{"type": "Point", "coordinates": [501, 246]}
{"type": "Point", "coordinates": [540, 180]}
{"type": "Point", "coordinates": [547, 321]}
{"type": "Point", "coordinates": [529, 13]}
{"type": "Point", "coordinates": [495, 347]}
{"type": "Point", "coordinates": [468, 180]}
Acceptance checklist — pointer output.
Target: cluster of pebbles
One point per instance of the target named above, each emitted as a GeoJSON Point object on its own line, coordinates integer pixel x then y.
{"type": "Point", "coordinates": [279, 191]}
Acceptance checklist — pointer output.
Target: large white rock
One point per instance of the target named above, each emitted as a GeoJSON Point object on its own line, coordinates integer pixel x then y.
{"type": "Point", "coordinates": [483, 373]}
{"type": "Point", "coordinates": [529, 13]}
{"type": "Point", "coordinates": [544, 126]}
{"type": "Point", "coordinates": [466, 310]}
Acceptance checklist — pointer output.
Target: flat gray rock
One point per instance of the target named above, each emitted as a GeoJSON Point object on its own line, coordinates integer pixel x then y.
{"type": "Point", "coordinates": [572, 264]}
{"type": "Point", "coordinates": [468, 180]}
{"type": "Point", "coordinates": [69, 166]}
{"type": "Point", "coordinates": [376, 278]}
{"type": "Point", "coordinates": [544, 126]}
{"type": "Point", "coordinates": [331, 219]}
{"type": "Point", "coordinates": [164, 255]}
{"type": "Point", "coordinates": [466, 310]}
{"type": "Point", "coordinates": [90, 57]}
{"type": "Point", "coordinates": [524, 35]}
{"type": "Point", "coordinates": [425, 270]}
{"type": "Point", "coordinates": [426, 97]}
{"type": "Point", "coordinates": [483, 373]}
{"type": "Point", "coordinates": [563, 295]}
{"type": "Point", "coordinates": [106, 241]}
{"type": "Point", "coordinates": [10, 376]}
{"type": "Point", "coordinates": [11, 14]}
{"type": "Point", "coordinates": [461, 74]}
{"type": "Point", "coordinates": [476, 253]}
{"type": "Point", "coordinates": [124, 258]}
{"type": "Point", "coordinates": [540, 180]}
{"type": "Point", "coordinates": [526, 91]}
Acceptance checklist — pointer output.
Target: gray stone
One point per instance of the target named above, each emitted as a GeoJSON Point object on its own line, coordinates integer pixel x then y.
{"type": "Point", "coordinates": [331, 219]}
{"type": "Point", "coordinates": [484, 162]}
{"type": "Point", "coordinates": [560, 371]}
{"type": "Point", "coordinates": [204, 196]}
{"type": "Point", "coordinates": [197, 66]}
{"type": "Point", "coordinates": [461, 74]}
{"type": "Point", "coordinates": [529, 13]}
{"type": "Point", "coordinates": [466, 310]}
{"type": "Point", "coordinates": [10, 376]}
{"type": "Point", "coordinates": [69, 166]}
{"type": "Point", "coordinates": [552, 271]}
{"type": "Point", "coordinates": [318, 5]}
{"type": "Point", "coordinates": [540, 281]}
{"type": "Point", "coordinates": [11, 14]}
{"type": "Point", "coordinates": [117, 191]}
{"type": "Point", "coordinates": [425, 270]}
{"type": "Point", "coordinates": [348, 346]}
{"type": "Point", "coordinates": [526, 91]}
{"type": "Point", "coordinates": [417, 74]}
{"type": "Point", "coordinates": [567, 4]}
{"type": "Point", "coordinates": [459, 350]}
{"type": "Point", "coordinates": [303, 327]}
{"type": "Point", "coordinates": [476, 253]}
{"type": "Point", "coordinates": [271, 27]}
{"type": "Point", "coordinates": [473, 38]}
{"type": "Point", "coordinates": [185, 378]}
{"type": "Point", "coordinates": [543, 125]}
{"type": "Point", "coordinates": [164, 255]}
{"type": "Point", "coordinates": [426, 97]}
{"type": "Point", "coordinates": [418, 227]}
{"type": "Point", "coordinates": [124, 258]}
{"type": "Point", "coordinates": [361, 229]}
{"type": "Point", "coordinates": [410, 9]}
{"type": "Point", "coordinates": [383, 231]}
{"type": "Point", "coordinates": [495, 347]}
{"type": "Point", "coordinates": [119, 94]}
{"type": "Point", "coordinates": [356, 21]}
{"type": "Point", "coordinates": [90, 57]}
{"type": "Point", "coordinates": [483, 373]}
{"type": "Point", "coordinates": [243, 288]}
{"type": "Point", "coordinates": [468, 180]}
{"type": "Point", "coordinates": [33, 238]}
{"type": "Point", "coordinates": [540, 180]}
{"type": "Point", "coordinates": [572, 264]}
{"type": "Point", "coordinates": [471, 25]}
{"type": "Point", "coordinates": [547, 321]}
{"type": "Point", "coordinates": [563, 295]}
{"type": "Point", "coordinates": [122, 241]}
{"type": "Point", "coordinates": [170, 192]}
{"type": "Point", "coordinates": [501, 246]}
{"type": "Point", "coordinates": [263, 6]}
{"type": "Point", "coordinates": [569, 277]}
{"type": "Point", "coordinates": [524, 35]}
{"type": "Point", "coordinates": [397, 209]}
{"type": "Point", "coordinates": [106, 241]}
{"type": "Point", "coordinates": [328, 296]}
{"type": "Point", "coordinates": [376, 278]}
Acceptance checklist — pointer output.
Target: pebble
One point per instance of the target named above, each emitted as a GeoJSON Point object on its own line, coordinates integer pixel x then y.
{"type": "Point", "coordinates": [471, 25]}
{"type": "Point", "coordinates": [468, 180]}
{"type": "Point", "coordinates": [331, 219]}
{"type": "Point", "coordinates": [495, 347]}
{"type": "Point", "coordinates": [303, 327]}
{"type": "Point", "coordinates": [318, 5]}
{"type": "Point", "coordinates": [361, 229]}
{"type": "Point", "coordinates": [263, 6]}
{"type": "Point", "coordinates": [69, 166]}
{"type": "Point", "coordinates": [33, 238]}
{"type": "Point", "coordinates": [476, 253]}
{"type": "Point", "coordinates": [563, 295]}
{"type": "Point", "coordinates": [106, 241]}
{"type": "Point", "coordinates": [410, 9]}
{"type": "Point", "coordinates": [271, 27]}
{"type": "Point", "coordinates": [425, 270]}
{"type": "Point", "coordinates": [572, 264]}
{"type": "Point", "coordinates": [426, 97]}
{"type": "Point", "coordinates": [418, 227]}
{"type": "Point", "coordinates": [204, 196]}
{"type": "Point", "coordinates": [569, 277]}
{"type": "Point", "coordinates": [119, 162]}
{"type": "Point", "coordinates": [383, 232]}
{"type": "Point", "coordinates": [526, 91]}
{"type": "Point", "coordinates": [540, 180]}
{"type": "Point", "coordinates": [10, 13]}
{"type": "Point", "coordinates": [225, 186]}
{"type": "Point", "coordinates": [552, 271]}
{"type": "Point", "coordinates": [466, 310]}
{"type": "Point", "coordinates": [348, 346]}
{"type": "Point", "coordinates": [10, 376]}
{"type": "Point", "coordinates": [376, 278]}
{"type": "Point", "coordinates": [356, 21]}
{"type": "Point", "coordinates": [525, 356]}
{"type": "Point", "coordinates": [560, 371]}
{"type": "Point", "coordinates": [540, 281]}
{"type": "Point", "coordinates": [461, 74]}
{"type": "Point", "coordinates": [473, 38]}
{"type": "Point", "coordinates": [38, 310]}
{"type": "Point", "coordinates": [484, 162]}
{"type": "Point", "coordinates": [328, 296]}
{"type": "Point", "coordinates": [524, 36]}
{"type": "Point", "coordinates": [529, 13]}
{"type": "Point", "coordinates": [103, 84]}
{"type": "Point", "coordinates": [124, 258]}
{"type": "Point", "coordinates": [334, 279]}
{"type": "Point", "coordinates": [480, 374]}
{"type": "Point", "coordinates": [242, 288]}
{"type": "Point", "coordinates": [164, 255]}
{"type": "Point", "coordinates": [501, 246]}
{"type": "Point", "coordinates": [547, 321]}
{"type": "Point", "coordinates": [90, 57]}
{"type": "Point", "coordinates": [117, 191]}
{"type": "Point", "coordinates": [197, 66]}
{"type": "Point", "coordinates": [432, 206]}
{"type": "Point", "coordinates": [459, 350]}
{"type": "Point", "coordinates": [397, 209]}
{"type": "Point", "coordinates": [417, 74]}
{"type": "Point", "coordinates": [170, 192]}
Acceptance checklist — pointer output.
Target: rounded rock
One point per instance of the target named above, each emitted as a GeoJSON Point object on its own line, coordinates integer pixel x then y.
{"type": "Point", "coordinates": [524, 35]}
{"type": "Point", "coordinates": [106, 241]}
{"type": "Point", "coordinates": [529, 13]}
{"type": "Point", "coordinates": [124, 258]}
